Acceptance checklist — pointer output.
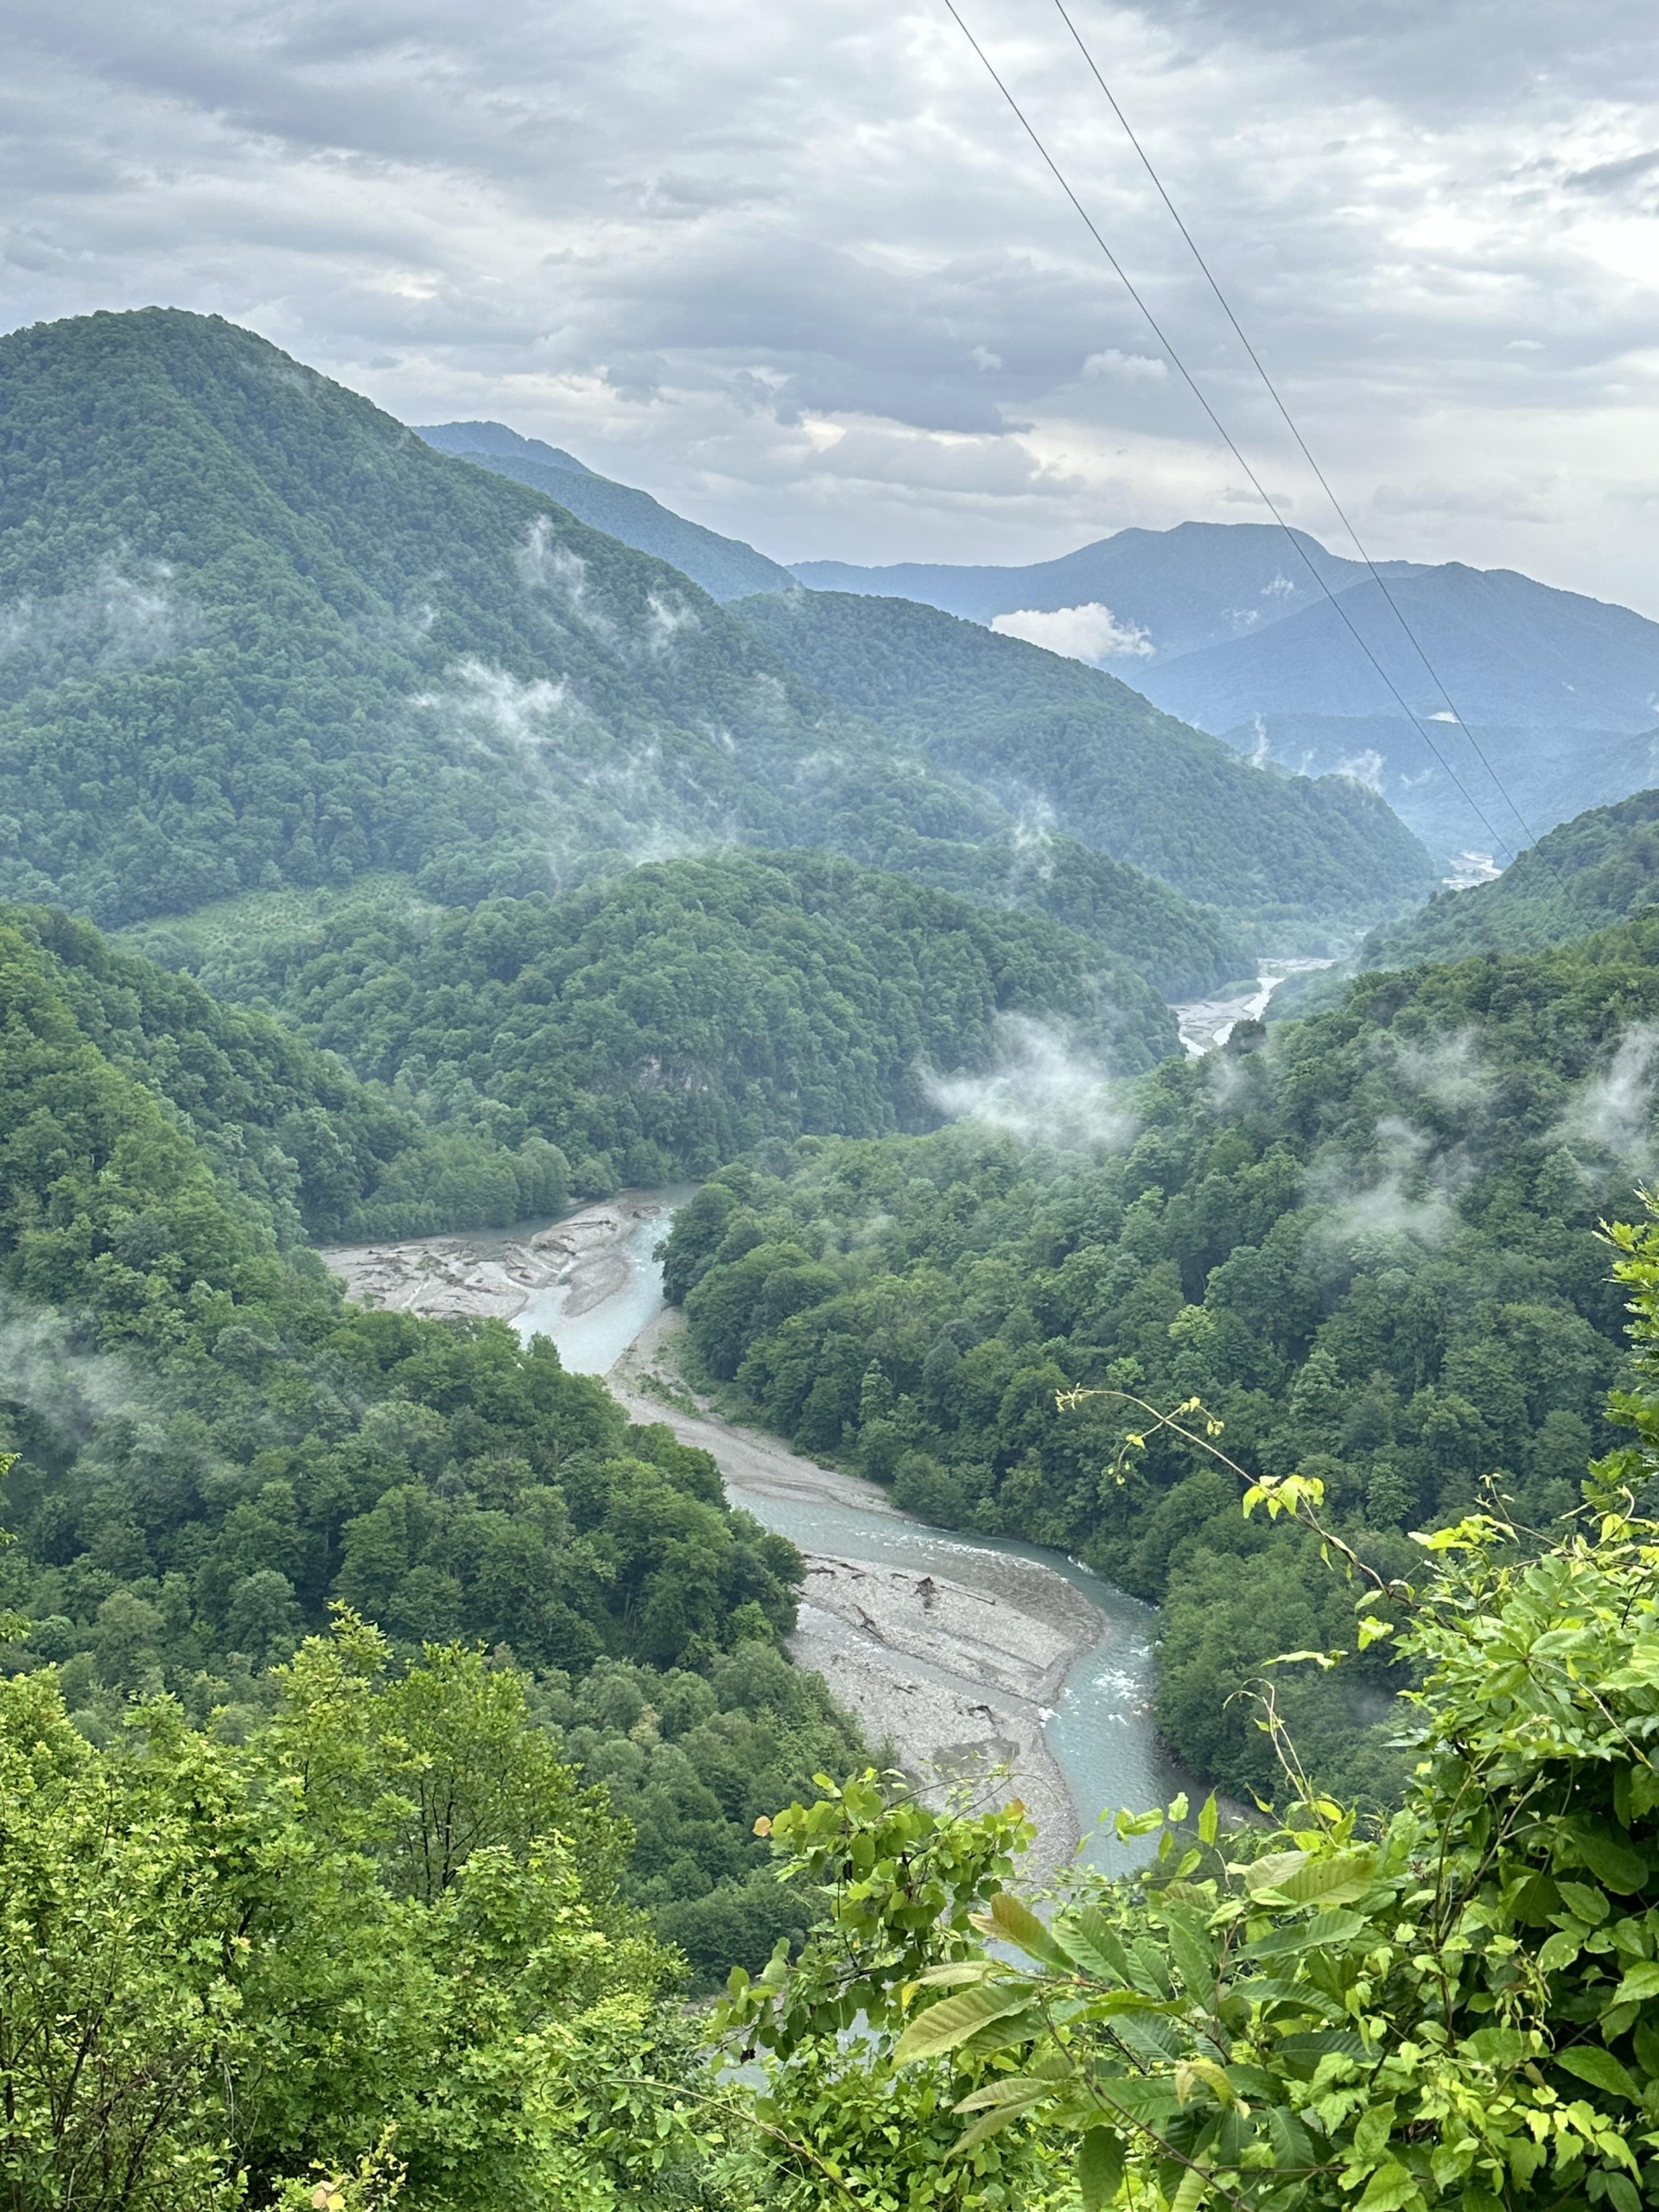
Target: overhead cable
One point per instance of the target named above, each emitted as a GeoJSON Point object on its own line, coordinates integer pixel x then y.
{"type": "Point", "coordinates": [1220, 428]}
{"type": "Point", "coordinates": [1257, 363]}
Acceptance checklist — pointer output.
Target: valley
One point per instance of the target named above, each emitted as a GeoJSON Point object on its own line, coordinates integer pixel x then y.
{"type": "Point", "coordinates": [989, 1666]}
{"type": "Point", "coordinates": [704, 1265]}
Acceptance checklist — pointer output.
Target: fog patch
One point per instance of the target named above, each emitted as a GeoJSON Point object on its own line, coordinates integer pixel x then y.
{"type": "Point", "coordinates": [42, 1368]}
{"type": "Point", "coordinates": [117, 621]}
{"type": "Point", "coordinates": [1608, 1125]}
{"type": "Point", "coordinates": [500, 710]}
{"type": "Point", "coordinates": [1446, 1071]}
{"type": "Point", "coordinates": [1409, 1195]}
{"type": "Point", "coordinates": [1365, 768]}
{"type": "Point", "coordinates": [1089, 632]}
{"type": "Point", "coordinates": [665, 621]}
{"type": "Point", "coordinates": [1041, 1089]}
{"type": "Point", "coordinates": [545, 564]}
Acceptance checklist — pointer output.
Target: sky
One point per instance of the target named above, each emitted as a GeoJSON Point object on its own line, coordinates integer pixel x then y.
{"type": "Point", "coordinates": [796, 269]}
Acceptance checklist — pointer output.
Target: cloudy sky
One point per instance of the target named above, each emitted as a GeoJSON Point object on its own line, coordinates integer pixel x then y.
{"type": "Point", "coordinates": [794, 269]}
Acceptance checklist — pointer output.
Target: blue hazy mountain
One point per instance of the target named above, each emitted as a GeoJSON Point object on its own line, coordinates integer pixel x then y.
{"type": "Point", "coordinates": [725, 567]}
{"type": "Point", "coordinates": [1537, 703]}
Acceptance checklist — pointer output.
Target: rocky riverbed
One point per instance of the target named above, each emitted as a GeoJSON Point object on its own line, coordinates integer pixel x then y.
{"type": "Point", "coordinates": [957, 1651]}
{"type": "Point", "coordinates": [584, 1257]}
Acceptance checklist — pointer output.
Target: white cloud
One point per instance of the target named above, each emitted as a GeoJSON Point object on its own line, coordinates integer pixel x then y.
{"type": "Point", "coordinates": [697, 247]}
{"type": "Point", "coordinates": [1042, 1090]}
{"type": "Point", "coordinates": [1114, 362]}
{"type": "Point", "coordinates": [1090, 632]}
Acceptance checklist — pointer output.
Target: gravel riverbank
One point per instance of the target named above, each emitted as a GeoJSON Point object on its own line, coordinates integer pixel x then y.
{"type": "Point", "coordinates": [959, 1676]}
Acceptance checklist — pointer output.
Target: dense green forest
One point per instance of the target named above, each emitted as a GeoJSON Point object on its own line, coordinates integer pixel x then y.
{"type": "Point", "coordinates": [1601, 867]}
{"type": "Point", "coordinates": [653, 1026]}
{"type": "Point", "coordinates": [214, 1448]}
{"type": "Point", "coordinates": [725, 567]}
{"type": "Point", "coordinates": [315, 1152]}
{"type": "Point", "coordinates": [256, 633]}
{"type": "Point", "coordinates": [1094, 760]}
{"type": "Point", "coordinates": [1363, 1240]}
{"type": "Point", "coordinates": [374, 1951]}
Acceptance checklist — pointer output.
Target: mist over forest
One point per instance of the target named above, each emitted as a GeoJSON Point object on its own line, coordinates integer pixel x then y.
{"type": "Point", "coordinates": [1098, 1116]}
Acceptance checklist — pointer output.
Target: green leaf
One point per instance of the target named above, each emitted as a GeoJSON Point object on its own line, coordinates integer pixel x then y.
{"type": "Point", "coordinates": [1019, 1924]}
{"type": "Point", "coordinates": [953, 2019]}
{"type": "Point", "coordinates": [1209, 1820]}
{"type": "Point", "coordinates": [1339, 1879]}
{"type": "Point", "coordinates": [1640, 1983]}
{"type": "Point", "coordinates": [1325, 1931]}
{"type": "Point", "coordinates": [1100, 2168]}
{"type": "Point", "coordinates": [1190, 2194]}
{"type": "Point", "coordinates": [1267, 1872]}
{"type": "Point", "coordinates": [1191, 1952]}
{"type": "Point", "coordinates": [1609, 1858]}
{"type": "Point", "coordinates": [988, 2124]}
{"type": "Point", "coordinates": [1600, 2069]}
{"type": "Point", "coordinates": [1621, 2192]}
{"type": "Point", "coordinates": [1389, 2188]}
{"type": "Point", "coordinates": [1291, 2144]}
{"type": "Point", "coordinates": [1095, 1945]}
{"type": "Point", "coordinates": [1011, 2090]}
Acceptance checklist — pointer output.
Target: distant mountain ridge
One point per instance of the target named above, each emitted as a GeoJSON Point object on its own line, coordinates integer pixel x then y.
{"type": "Point", "coordinates": [725, 567]}
{"type": "Point", "coordinates": [1559, 691]}
{"type": "Point", "coordinates": [254, 633]}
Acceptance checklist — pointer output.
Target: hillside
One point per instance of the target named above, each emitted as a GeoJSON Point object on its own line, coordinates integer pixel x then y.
{"type": "Point", "coordinates": [261, 633]}
{"type": "Point", "coordinates": [256, 633]}
{"type": "Point", "coordinates": [725, 567]}
{"type": "Point", "coordinates": [1078, 751]}
{"type": "Point", "coordinates": [312, 1152]}
{"type": "Point", "coordinates": [656, 1026]}
{"type": "Point", "coordinates": [1236, 635]}
{"type": "Point", "coordinates": [214, 1447]}
{"type": "Point", "coordinates": [1364, 1240]}
{"type": "Point", "coordinates": [1602, 868]}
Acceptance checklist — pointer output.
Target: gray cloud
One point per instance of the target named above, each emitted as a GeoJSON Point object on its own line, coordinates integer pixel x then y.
{"type": "Point", "coordinates": [796, 272]}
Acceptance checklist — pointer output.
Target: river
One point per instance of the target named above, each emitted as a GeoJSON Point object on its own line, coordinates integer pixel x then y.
{"type": "Point", "coordinates": [994, 1663]}
{"type": "Point", "coordinates": [1205, 1023]}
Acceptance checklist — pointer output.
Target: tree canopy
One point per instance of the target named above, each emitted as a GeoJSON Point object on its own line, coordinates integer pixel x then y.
{"type": "Point", "coordinates": [1361, 1240]}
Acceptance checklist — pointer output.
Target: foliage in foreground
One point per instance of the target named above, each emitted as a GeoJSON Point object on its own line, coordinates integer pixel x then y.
{"type": "Point", "coordinates": [1458, 2008]}
{"type": "Point", "coordinates": [1362, 1240]}
{"type": "Point", "coordinates": [382, 1938]}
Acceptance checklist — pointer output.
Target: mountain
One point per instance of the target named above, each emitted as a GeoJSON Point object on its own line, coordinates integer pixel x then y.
{"type": "Point", "coordinates": [1224, 625]}
{"type": "Point", "coordinates": [655, 1024]}
{"type": "Point", "coordinates": [1074, 750]}
{"type": "Point", "coordinates": [1600, 868]}
{"type": "Point", "coordinates": [725, 567]}
{"type": "Point", "coordinates": [254, 633]}
{"type": "Point", "coordinates": [1199, 584]}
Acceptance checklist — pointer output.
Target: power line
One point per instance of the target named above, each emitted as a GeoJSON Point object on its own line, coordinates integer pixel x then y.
{"type": "Point", "coordinates": [1273, 391]}
{"type": "Point", "coordinates": [1220, 428]}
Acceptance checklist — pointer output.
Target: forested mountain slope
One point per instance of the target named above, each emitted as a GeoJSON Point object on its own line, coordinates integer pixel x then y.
{"type": "Point", "coordinates": [259, 633]}
{"type": "Point", "coordinates": [1603, 866]}
{"type": "Point", "coordinates": [1364, 1241]}
{"type": "Point", "coordinates": [656, 1025]}
{"type": "Point", "coordinates": [1077, 749]}
{"type": "Point", "coordinates": [253, 633]}
{"type": "Point", "coordinates": [725, 567]}
{"type": "Point", "coordinates": [214, 1446]}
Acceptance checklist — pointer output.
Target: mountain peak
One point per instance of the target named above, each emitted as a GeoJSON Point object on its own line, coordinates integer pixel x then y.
{"type": "Point", "coordinates": [496, 439]}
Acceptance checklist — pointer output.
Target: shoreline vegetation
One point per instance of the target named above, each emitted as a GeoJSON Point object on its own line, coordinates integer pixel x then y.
{"type": "Point", "coordinates": [958, 1679]}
